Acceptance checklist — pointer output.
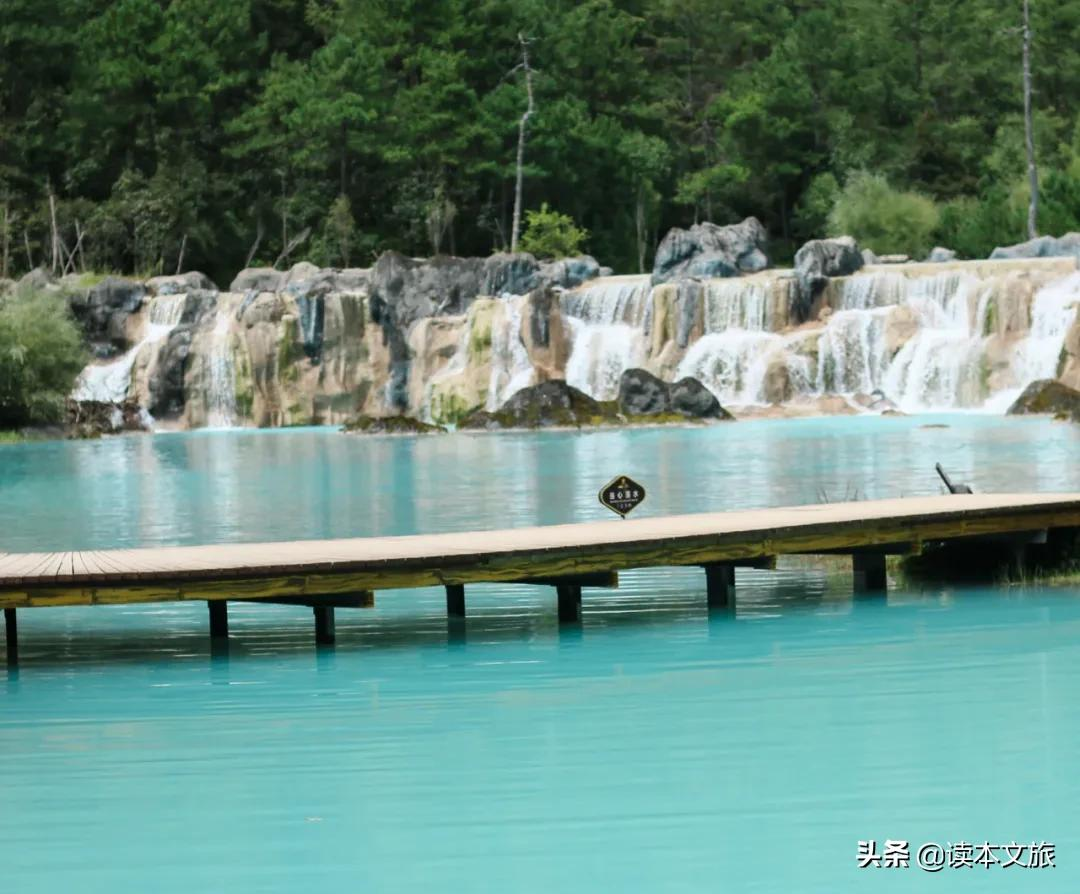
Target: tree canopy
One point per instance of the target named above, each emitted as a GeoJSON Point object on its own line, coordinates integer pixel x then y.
{"type": "Point", "coordinates": [223, 130]}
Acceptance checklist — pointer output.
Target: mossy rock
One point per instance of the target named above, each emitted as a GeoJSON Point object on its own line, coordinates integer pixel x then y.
{"type": "Point", "coordinates": [556, 404]}
{"type": "Point", "coordinates": [481, 317]}
{"type": "Point", "coordinates": [449, 407]}
{"type": "Point", "coordinates": [390, 425]}
{"type": "Point", "coordinates": [1048, 396]}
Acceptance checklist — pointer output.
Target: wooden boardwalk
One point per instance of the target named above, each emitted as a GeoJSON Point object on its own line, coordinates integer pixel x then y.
{"type": "Point", "coordinates": [335, 573]}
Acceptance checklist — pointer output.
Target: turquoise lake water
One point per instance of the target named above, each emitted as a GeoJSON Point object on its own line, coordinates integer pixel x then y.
{"type": "Point", "coordinates": [651, 749]}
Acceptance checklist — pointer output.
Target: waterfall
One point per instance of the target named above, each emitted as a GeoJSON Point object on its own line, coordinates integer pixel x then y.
{"type": "Point", "coordinates": [606, 318]}
{"type": "Point", "coordinates": [221, 375]}
{"type": "Point", "coordinates": [733, 364]}
{"type": "Point", "coordinates": [110, 382]}
{"type": "Point", "coordinates": [511, 369]}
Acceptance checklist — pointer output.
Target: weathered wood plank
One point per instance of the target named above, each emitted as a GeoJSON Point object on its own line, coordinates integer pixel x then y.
{"type": "Point", "coordinates": [558, 553]}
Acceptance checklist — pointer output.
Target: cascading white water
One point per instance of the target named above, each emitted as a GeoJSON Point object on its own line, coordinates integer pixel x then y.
{"type": "Point", "coordinates": [110, 382]}
{"type": "Point", "coordinates": [733, 364]}
{"type": "Point", "coordinates": [511, 369]}
{"type": "Point", "coordinates": [221, 379]}
{"type": "Point", "coordinates": [605, 319]}
{"type": "Point", "coordinates": [740, 347]}
{"type": "Point", "coordinates": [601, 354]}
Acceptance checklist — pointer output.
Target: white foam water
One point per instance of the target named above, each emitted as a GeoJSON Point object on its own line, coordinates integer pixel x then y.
{"type": "Point", "coordinates": [111, 382]}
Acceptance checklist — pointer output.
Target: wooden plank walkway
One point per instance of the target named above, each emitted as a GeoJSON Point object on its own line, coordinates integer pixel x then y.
{"type": "Point", "coordinates": [329, 568]}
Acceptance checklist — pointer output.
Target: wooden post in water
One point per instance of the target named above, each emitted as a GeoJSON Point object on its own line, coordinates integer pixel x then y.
{"type": "Point", "coordinates": [720, 585]}
{"type": "Point", "coordinates": [869, 572]}
{"type": "Point", "coordinates": [455, 600]}
{"type": "Point", "coordinates": [569, 596]}
{"type": "Point", "coordinates": [11, 632]}
{"type": "Point", "coordinates": [219, 618]}
{"type": "Point", "coordinates": [324, 625]}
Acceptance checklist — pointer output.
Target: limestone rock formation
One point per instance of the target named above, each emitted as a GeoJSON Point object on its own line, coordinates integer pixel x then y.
{"type": "Point", "coordinates": [103, 312]}
{"type": "Point", "coordinates": [544, 334]}
{"type": "Point", "coordinates": [817, 261]}
{"type": "Point", "coordinates": [707, 250]}
{"type": "Point", "coordinates": [1048, 396]}
{"type": "Point", "coordinates": [1042, 247]}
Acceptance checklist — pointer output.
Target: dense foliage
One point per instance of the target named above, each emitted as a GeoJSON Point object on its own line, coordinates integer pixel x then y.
{"type": "Point", "coordinates": [229, 129]}
{"type": "Point", "coordinates": [41, 354]}
{"type": "Point", "coordinates": [549, 234]}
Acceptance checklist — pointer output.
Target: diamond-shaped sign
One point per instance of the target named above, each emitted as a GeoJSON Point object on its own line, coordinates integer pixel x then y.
{"type": "Point", "coordinates": [622, 494]}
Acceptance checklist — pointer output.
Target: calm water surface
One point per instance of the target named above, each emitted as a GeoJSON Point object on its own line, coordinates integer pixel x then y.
{"type": "Point", "coordinates": [653, 749]}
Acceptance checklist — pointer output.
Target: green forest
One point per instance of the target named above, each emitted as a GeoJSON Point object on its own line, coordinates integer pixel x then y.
{"type": "Point", "coordinates": [208, 134]}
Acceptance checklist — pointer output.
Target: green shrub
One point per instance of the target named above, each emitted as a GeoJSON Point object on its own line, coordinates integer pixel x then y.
{"type": "Point", "coordinates": [812, 211]}
{"type": "Point", "coordinates": [549, 234]}
{"type": "Point", "coordinates": [974, 227]}
{"type": "Point", "coordinates": [41, 354]}
{"type": "Point", "coordinates": [882, 218]}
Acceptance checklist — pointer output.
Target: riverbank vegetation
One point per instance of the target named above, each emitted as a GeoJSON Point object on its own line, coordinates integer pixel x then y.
{"type": "Point", "coordinates": [41, 354]}
{"type": "Point", "coordinates": [153, 135]}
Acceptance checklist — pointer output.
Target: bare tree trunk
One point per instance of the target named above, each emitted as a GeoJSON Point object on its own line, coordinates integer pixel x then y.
{"type": "Point", "coordinates": [523, 124]}
{"type": "Point", "coordinates": [260, 230]}
{"type": "Point", "coordinates": [69, 264]}
{"type": "Point", "coordinates": [7, 240]}
{"type": "Point", "coordinates": [284, 216]}
{"type": "Point", "coordinates": [29, 254]}
{"type": "Point", "coordinates": [1029, 132]}
{"type": "Point", "coordinates": [294, 243]}
{"type": "Point", "coordinates": [180, 260]}
{"type": "Point", "coordinates": [55, 234]}
{"type": "Point", "coordinates": [79, 233]}
{"type": "Point", "coordinates": [641, 224]}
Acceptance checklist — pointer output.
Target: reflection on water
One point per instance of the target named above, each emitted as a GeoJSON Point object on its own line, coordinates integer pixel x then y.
{"type": "Point", "coordinates": [656, 748]}
{"type": "Point", "coordinates": [205, 487]}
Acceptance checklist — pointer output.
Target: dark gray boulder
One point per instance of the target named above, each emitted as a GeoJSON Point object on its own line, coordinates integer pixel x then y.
{"type": "Point", "coordinates": [102, 312]}
{"type": "Point", "coordinates": [1048, 396]}
{"type": "Point", "coordinates": [708, 250]}
{"type": "Point", "coordinates": [513, 274]}
{"type": "Point", "coordinates": [940, 255]}
{"type": "Point", "coordinates": [182, 282]}
{"type": "Point", "coordinates": [817, 261]}
{"type": "Point", "coordinates": [643, 394]}
{"type": "Point", "coordinates": [552, 403]}
{"type": "Point", "coordinates": [692, 399]}
{"type": "Point", "coordinates": [36, 279]}
{"type": "Point", "coordinates": [571, 272]}
{"type": "Point", "coordinates": [166, 382]}
{"type": "Point", "coordinates": [259, 279]}
{"type": "Point", "coordinates": [1067, 246]}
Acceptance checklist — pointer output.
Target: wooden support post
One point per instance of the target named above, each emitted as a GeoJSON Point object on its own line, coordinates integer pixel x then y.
{"type": "Point", "coordinates": [569, 596]}
{"type": "Point", "coordinates": [455, 600]}
{"type": "Point", "coordinates": [11, 631]}
{"type": "Point", "coordinates": [869, 572]}
{"type": "Point", "coordinates": [324, 625]}
{"type": "Point", "coordinates": [720, 585]}
{"type": "Point", "coordinates": [219, 618]}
